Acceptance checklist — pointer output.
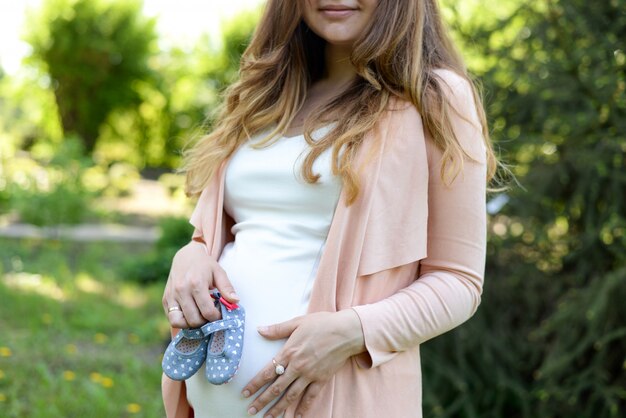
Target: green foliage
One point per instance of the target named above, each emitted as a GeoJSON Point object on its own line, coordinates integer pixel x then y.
{"type": "Point", "coordinates": [178, 101]}
{"type": "Point", "coordinates": [49, 194]}
{"type": "Point", "coordinates": [106, 82]}
{"type": "Point", "coordinates": [223, 68]}
{"type": "Point", "coordinates": [548, 340]}
{"type": "Point", "coordinates": [192, 83]}
{"type": "Point", "coordinates": [65, 204]}
{"type": "Point", "coordinates": [28, 113]}
{"type": "Point", "coordinates": [595, 350]}
{"type": "Point", "coordinates": [155, 266]}
{"type": "Point", "coordinates": [94, 51]}
{"type": "Point", "coordinates": [57, 184]}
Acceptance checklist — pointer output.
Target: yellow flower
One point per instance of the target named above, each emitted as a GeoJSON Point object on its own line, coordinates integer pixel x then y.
{"type": "Point", "coordinates": [100, 338]}
{"type": "Point", "coordinates": [69, 375]}
{"type": "Point", "coordinates": [95, 377]}
{"type": "Point", "coordinates": [46, 318]}
{"type": "Point", "coordinates": [107, 382]}
{"type": "Point", "coordinates": [5, 352]}
{"type": "Point", "coordinates": [2, 397]}
{"type": "Point", "coordinates": [71, 349]}
{"type": "Point", "coordinates": [133, 408]}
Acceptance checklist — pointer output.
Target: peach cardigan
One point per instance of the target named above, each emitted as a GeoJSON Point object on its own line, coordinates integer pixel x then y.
{"type": "Point", "coordinates": [408, 256]}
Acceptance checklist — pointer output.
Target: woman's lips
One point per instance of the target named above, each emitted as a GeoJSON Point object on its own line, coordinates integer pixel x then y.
{"type": "Point", "coordinates": [337, 13]}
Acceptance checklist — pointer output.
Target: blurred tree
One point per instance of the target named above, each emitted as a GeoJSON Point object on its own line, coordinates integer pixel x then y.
{"type": "Point", "coordinates": [549, 339]}
{"type": "Point", "coordinates": [179, 103]}
{"type": "Point", "coordinates": [28, 112]}
{"type": "Point", "coordinates": [223, 68]}
{"type": "Point", "coordinates": [94, 51]}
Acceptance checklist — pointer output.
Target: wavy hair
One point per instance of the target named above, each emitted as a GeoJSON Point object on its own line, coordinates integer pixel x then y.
{"type": "Point", "coordinates": [396, 56]}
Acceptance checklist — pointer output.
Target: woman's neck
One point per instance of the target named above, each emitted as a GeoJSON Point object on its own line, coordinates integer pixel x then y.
{"type": "Point", "coordinates": [339, 69]}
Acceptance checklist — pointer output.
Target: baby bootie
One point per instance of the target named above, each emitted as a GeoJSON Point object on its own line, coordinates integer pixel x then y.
{"type": "Point", "coordinates": [185, 354]}
{"type": "Point", "coordinates": [225, 343]}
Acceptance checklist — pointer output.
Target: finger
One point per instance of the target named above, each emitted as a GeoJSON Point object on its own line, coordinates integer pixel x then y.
{"type": "Point", "coordinates": [177, 319]}
{"type": "Point", "coordinates": [190, 311]}
{"type": "Point", "coordinates": [272, 392]}
{"type": "Point", "coordinates": [204, 302]}
{"type": "Point", "coordinates": [168, 299]}
{"type": "Point", "coordinates": [310, 393]}
{"type": "Point", "coordinates": [183, 293]}
{"type": "Point", "coordinates": [292, 394]}
{"type": "Point", "coordinates": [280, 330]}
{"type": "Point", "coordinates": [266, 375]}
{"type": "Point", "coordinates": [221, 281]}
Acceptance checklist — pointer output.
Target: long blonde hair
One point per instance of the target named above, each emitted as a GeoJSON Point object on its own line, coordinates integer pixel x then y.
{"type": "Point", "coordinates": [397, 55]}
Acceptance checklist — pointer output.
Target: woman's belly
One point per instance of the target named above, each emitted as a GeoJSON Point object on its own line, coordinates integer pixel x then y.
{"type": "Point", "coordinates": [271, 290]}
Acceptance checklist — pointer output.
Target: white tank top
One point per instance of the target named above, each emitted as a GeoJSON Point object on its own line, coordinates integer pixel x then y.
{"type": "Point", "coordinates": [281, 224]}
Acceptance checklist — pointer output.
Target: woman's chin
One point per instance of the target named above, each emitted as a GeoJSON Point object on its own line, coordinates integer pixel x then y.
{"type": "Point", "coordinates": [340, 39]}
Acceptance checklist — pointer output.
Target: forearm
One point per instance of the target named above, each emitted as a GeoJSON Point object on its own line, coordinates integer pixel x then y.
{"type": "Point", "coordinates": [438, 302]}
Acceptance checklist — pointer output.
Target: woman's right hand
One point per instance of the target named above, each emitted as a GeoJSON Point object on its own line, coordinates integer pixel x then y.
{"type": "Point", "coordinates": [191, 277]}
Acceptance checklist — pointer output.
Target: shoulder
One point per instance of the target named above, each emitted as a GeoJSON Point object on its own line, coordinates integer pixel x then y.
{"type": "Point", "coordinates": [452, 82]}
{"type": "Point", "coordinates": [456, 89]}
{"type": "Point", "coordinates": [407, 124]}
{"type": "Point", "coordinates": [459, 94]}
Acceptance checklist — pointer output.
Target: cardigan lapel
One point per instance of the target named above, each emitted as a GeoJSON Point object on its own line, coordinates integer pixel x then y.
{"type": "Point", "coordinates": [386, 226]}
{"type": "Point", "coordinates": [339, 263]}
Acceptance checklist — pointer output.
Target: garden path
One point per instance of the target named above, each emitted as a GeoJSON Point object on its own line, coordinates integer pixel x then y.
{"type": "Point", "coordinates": [148, 201]}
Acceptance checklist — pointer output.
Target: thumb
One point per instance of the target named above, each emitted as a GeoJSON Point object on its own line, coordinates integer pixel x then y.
{"type": "Point", "coordinates": [280, 330]}
{"type": "Point", "coordinates": [221, 282]}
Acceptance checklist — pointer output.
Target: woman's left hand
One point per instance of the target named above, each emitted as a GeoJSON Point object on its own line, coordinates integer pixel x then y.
{"type": "Point", "coordinates": [318, 345]}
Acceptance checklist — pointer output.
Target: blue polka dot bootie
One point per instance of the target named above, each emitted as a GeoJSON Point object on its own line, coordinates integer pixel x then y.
{"type": "Point", "coordinates": [185, 354]}
{"type": "Point", "coordinates": [217, 343]}
{"type": "Point", "coordinates": [225, 345]}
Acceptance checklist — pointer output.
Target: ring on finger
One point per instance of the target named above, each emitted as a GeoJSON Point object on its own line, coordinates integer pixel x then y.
{"type": "Point", "coordinates": [174, 308]}
{"type": "Point", "coordinates": [279, 369]}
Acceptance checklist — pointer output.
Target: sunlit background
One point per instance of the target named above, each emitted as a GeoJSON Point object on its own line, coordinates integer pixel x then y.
{"type": "Point", "coordinates": [97, 99]}
{"type": "Point", "coordinates": [180, 22]}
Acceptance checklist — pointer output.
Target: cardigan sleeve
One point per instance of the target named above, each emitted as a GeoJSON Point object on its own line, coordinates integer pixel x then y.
{"type": "Point", "coordinates": [448, 288]}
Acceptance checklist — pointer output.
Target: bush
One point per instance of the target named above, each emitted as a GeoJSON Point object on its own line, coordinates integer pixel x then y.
{"type": "Point", "coordinates": [155, 266]}
{"type": "Point", "coordinates": [48, 192]}
{"type": "Point", "coordinates": [66, 203]}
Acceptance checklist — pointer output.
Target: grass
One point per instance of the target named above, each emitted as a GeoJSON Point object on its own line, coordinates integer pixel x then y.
{"type": "Point", "coordinates": [77, 340]}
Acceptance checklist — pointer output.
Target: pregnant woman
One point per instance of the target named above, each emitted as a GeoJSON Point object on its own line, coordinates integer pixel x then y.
{"type": "Point", "coordinates": [342, 204]}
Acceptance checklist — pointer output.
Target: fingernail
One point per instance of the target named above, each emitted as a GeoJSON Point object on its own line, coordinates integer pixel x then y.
{"type": "Point", "coordinates": [234, 295]}
{"type": "Point", "coordinates": [262, 329]}
{"type": "Point", "coordinates": [252, 410]}
{"type": "Point", "coordinates": [246, 393]}
{"type": "Point", "coordinates": [299, 416]}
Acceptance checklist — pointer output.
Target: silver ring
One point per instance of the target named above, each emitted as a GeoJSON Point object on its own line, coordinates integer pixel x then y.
{"type": "Point", "coordinates": [280, 369]}
{"type": "Point", "coordinates": [174, 308]}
